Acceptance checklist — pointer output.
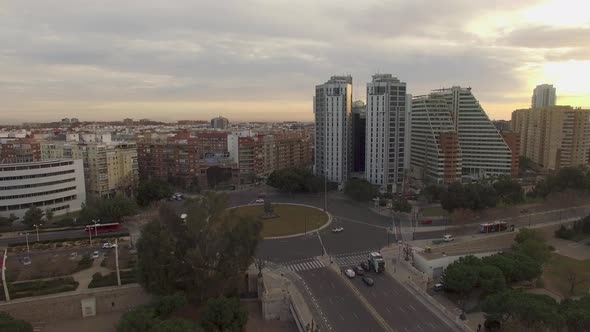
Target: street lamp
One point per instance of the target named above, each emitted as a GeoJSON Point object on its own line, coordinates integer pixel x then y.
{"type": "Point", "coordinates": [37, 228]}
{"type": "Point", "coordinates": [90, 234]}
{"type": "Point", "coordinates": [4, 283]}
{"type": "Point", "coordinates": [96, 223]}
{"type": "Point", "coordinates": [27, 237]}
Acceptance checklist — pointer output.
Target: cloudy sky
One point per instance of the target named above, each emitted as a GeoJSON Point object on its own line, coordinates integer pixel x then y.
{"type": "Point", "coordinates": [259, 60]}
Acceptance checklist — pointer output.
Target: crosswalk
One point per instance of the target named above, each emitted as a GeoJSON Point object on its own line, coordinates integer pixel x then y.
{"type": "Point", "coordinates": [305, 265]}
{"type": "Point", "coordinates": [350, 260]}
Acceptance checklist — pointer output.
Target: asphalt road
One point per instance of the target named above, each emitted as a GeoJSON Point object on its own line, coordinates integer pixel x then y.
{"type": "Point", "coordinates": [342, 308]}
{"type": "Point", "coordinates": [45, 236]}
{"type": "Point", "coordinates": [397, 306]}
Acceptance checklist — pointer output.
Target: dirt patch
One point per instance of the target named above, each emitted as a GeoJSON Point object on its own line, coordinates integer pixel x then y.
{"type": "Point", "coordinates": [42, 266]}
{"type": "Point", "coordinates": [127, 260]}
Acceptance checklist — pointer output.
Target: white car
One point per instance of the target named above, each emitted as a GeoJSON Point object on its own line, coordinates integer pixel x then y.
{"type": "Point", "coordinates": [448, 238]}
{"type": "Point", "coordinates": [26, 260]}
{"type": "Point", "coordinates": [259, 200]}
{"type": "Point", "coordinates": [73, 255]}
{"type": "Point", "coordinates": [108, 245]}
{"type": "Point", "coordinates": [337, 229]}
{"type": "Point", "coordinates": [349, 273]}
{"type": "Point", "coordinates": [95, 254]}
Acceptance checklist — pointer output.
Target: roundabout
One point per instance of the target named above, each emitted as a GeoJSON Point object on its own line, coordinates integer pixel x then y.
{"type": "Point", "coordinates": [285, 220]}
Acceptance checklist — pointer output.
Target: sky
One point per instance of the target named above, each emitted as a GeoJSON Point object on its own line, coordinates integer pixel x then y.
{"type": "Point", "coordinates": [260, 60]}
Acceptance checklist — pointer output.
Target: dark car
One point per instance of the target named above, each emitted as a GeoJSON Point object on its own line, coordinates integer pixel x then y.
{"type": "Point", "coordinates": [365, 266]}
{"type": "Point", "coordinates": [359, 270]}
{"type": "Point", "coordinates": [368, 281]}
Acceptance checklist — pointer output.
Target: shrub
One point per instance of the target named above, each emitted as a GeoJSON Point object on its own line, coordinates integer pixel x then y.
{"type": "Point", "coordinates": [565, 233]}
{"type": "Point", "coordinates": [85, 262]}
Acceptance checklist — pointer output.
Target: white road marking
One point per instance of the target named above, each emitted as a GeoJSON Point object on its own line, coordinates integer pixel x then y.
{"type": "Point", "coordinates": [412, 307]}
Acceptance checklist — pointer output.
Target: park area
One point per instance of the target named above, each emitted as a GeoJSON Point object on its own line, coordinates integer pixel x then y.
{"type": "Point", "coordinates": [288, 219]}
{"type": "Point", "coordinates": [562, 272]}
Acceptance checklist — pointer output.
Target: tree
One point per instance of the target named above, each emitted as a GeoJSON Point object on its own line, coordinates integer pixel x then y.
{"type": "Point", "coordinates": [8, 221]}
{"type": "Point", "coordinates": [10, 324]}
{"type": "Point", "coordinates": [194, 186]}
{"type": "Point", "coordinates": [462, 275]}
{"type": "Point", "coordinates": [48, 214]}
{"type": "Point", "coordinates": [138, 320]}
{"type": "Point", "coordinates": [453, 197]}
{"type": "Point", "coordinates": [531, 243]}
{"type": "Point", "coordinates": [294, 180]}
{"type": "Point", "coordinates": [360, 190]}
{"type": "Point", "coordinates": [508, 190]}
{"type": "Point", "coordinates": [224, 315]}
{"type": "Point", "coordinates": [433, 192]}
{"type": "Point", "coordinates": [33, 216]}
{"type": "Point", "coordinates": [492, 279]}
{"type": "Point", "coordinates": [167, 304]}
{"type": "Point", "coordinates": [532, 310]}
{"type": "Point", "coordinates": [268, 207]}
{"type": "Point", "coordinates": [152, 190]}
{"type": "Point", "coordinates": [576, 314]}
{"type": "Point", "coordinates": [401, 204]}
{"type": "Point", "coordinates": [205, 257]}
{"type": "Point", "coordinates": [107, 209]}
{"type": "Point", "coordinates": [175, 325]}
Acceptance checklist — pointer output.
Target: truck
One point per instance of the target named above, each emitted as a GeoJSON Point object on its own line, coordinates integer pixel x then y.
{"type": "Point", "coordinates": [496, 226]}
{"type": "Point", "coordinates": [376, 262]}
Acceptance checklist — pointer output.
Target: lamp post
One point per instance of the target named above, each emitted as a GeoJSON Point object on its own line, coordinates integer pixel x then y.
{"type": "Point", "coordinates": [4, 283]}
{"type": "Point", "coordinates": [96, 223]}
{"type": "Point", "coordinates": [37, 228]}
{"type": "Point", "coordinates": [90, 234]}
{"type": "Point", "coordinates": [27, 237]}
{"type": "Point", "coordinates": [117, 261]}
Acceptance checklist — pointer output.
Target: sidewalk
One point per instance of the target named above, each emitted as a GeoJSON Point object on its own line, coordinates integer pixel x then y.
{"type": "Point", "coordinates": [84, 277]}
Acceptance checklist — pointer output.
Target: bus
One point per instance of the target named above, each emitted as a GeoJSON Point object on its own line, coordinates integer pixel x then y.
{"type": "Point", "coordinates": [103, 228]}
{"type": "Point", "coordinates": [496, 226]}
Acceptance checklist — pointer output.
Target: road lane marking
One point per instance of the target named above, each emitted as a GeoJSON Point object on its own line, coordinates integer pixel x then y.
{"type": "Point", "coordinates": [387, 308]}
{"type": "Point", "coordinates": [339, 314]}
{"type": "Point", "coordinates": [357, 317]}
{"type": "Point", "coordinates": [401, 309]}
{"type": "Point", "coordinates": [412, 307]}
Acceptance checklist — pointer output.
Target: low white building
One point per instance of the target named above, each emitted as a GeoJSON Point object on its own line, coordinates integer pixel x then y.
{"type": "Point", "coordinates": [56, 184]}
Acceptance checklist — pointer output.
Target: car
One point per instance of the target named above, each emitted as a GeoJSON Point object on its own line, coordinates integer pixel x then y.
{"type": "Point", "coordinates": [365, 266]}
{"type": "Point", "coordinates": [438, 287]}
{"type": "Point", "coordinates": [349, 273]}
{"type": "Point", "coordinates": [359, 270]}
{"type": "Point", "coordinates": [337, 229]}
{"type": "Point", "coordinates": [95, 254]}
{"type": "Point", "coordinates": [73, 255]}
{"type": "Point", "coordinates": [108, 245]}
{"type": "Point", "coordinates": [368, 281]}
{"type": "Point", "coordinates": [448, 238]}
{"type": "Point", "coordinates": [26, 260]}
{"type": "Point", "coordinates": [426, 222]}
{"type": "Point", "coordinates": [259, 200]}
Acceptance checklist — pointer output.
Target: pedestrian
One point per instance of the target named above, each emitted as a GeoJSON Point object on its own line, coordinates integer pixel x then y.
{"type": "Point", "coordinates": [478, 327]}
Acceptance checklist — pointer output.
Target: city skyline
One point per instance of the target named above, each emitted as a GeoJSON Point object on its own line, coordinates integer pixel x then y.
{"type": "Point", "coordinates": [260, 61]}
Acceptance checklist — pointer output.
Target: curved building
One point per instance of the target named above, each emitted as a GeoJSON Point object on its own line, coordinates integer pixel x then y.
{"type": "Point", "coordinates": [57, 185]}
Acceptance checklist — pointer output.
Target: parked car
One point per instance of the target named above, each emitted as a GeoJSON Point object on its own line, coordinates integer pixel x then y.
{"type": "Point", "coordinates": [26, 260]}
{"type": "Point", "coordinates": [108, 245]}
{"type": "Point", "coordinates": [95, 254]}
{"type": "Point", "coordinates": [368, 281]}
{"type": "Point", "coordinates": [73, 255]}
{"type": "Point", "coordinates": [349, 273]}
{"type": "Point", "coordinates": [259, 200]}
{"type": "Point", "coordinates": [359, 270]}
{"type": "Point", "coordinates": [448, 238]}
{"type": "Point", "coordinates": [438, 287]}
{"type": "Point", "coordinates": [337, 229]}
{"type": "Point", "coordinates": [365, 266]}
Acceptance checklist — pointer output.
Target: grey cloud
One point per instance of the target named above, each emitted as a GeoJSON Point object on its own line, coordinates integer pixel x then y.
{"type": "Point", "coordinates": [580, 54]}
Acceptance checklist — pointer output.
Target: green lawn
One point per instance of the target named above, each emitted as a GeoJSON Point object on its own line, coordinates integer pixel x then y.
{"type": "Point", "coordinates": [292, 219]}
{"type": "Point", "coordinates": [557, 271]}
{"type": "Point", "coordinates": [434, 212]}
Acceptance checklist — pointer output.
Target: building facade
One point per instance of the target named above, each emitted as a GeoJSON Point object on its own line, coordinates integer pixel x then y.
{"type": "Point", "coordinates": [554, 137]}
{"type": "Point", "coordinates": [513, 140]}
{"type": "Point", "coordinates": [332, 109]}
{"type": "Point", "coordinates": [385, 132]}
{"type": "Point", "coordinates": [481, 151]}
{"type": "Point", "coordinates": [57, 185]}
{"type": "Point", "coordinates": [19, 150]}
{"type": "Point", "coordinates": [436, 154]}
{"type": "Point", "coordinates": [359, 129]}
{"type": "Point", "coordinates": [543, 96]}
{"type": "Point", "coordinates": [109, 167]}
{"type": "Point", "coordinates": [219, 123]}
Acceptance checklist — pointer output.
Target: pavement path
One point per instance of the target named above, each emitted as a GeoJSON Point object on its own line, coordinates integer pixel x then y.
{"type": "Point", "coordinates": [84, 277]}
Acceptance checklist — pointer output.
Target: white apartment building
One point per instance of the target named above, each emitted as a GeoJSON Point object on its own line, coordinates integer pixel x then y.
{"type": "Point", "coordinates": [57, 185]}
{"type": "Point", "coordinates": [543, 96]}
{"type": "Point", "coordinates": [484, 152]}
{"type": "Point", "coordinates": [436, 155]}
{"type": "Point", "coordinates": [332, 106]}
{"type": "Point", "coordinates": [385, 132]}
